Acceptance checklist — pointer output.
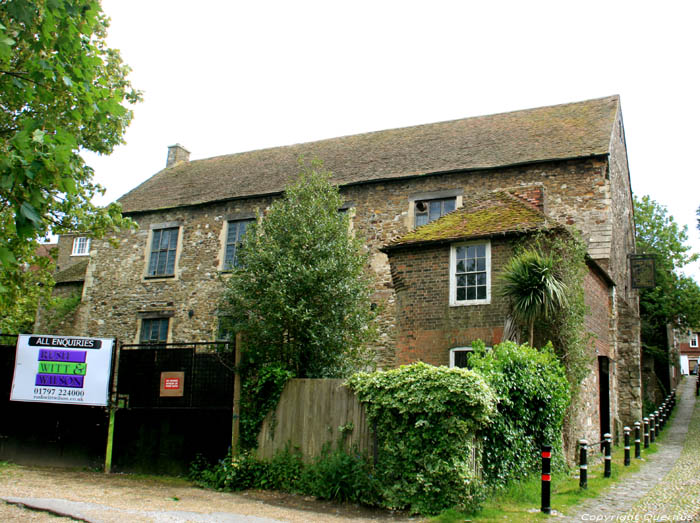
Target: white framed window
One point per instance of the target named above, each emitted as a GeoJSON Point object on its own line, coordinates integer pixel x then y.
{"type": "Point", "coordinates": [694, 339]}
{"type": "Point", "coordinates": [470, 273]}
{"type": "Point", "coordinates": [81, 246]}
{"type": "Point", "coordinates": [459, 357]}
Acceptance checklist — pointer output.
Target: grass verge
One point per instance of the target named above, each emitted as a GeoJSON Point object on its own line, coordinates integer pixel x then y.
{"type": "Point", "coordinates": [520, 500]}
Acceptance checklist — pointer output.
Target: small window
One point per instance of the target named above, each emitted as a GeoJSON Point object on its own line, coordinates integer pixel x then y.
{"type": "Point", "coordinates": [470, 267]}
{"type": "Point", "coordinates": [163, 250]}
{"type": "Point", "coordinates": [154, 330]}
{"type": "Point", "coordinates": [427, 211]}
{"type": "Point", "coordinates": [224, 329]}
{"type": "Point", "coordinates": [694, 340]}
{"type": "Point", "coordinates": [81, 246]}
{"type": "Point", "coordinates": [234, 237]}
{"type": "Point", "coordinates": [459, 356]}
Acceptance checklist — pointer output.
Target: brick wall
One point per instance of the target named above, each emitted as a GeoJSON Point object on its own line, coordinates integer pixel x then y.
{"type": "Point", "coordinates": [427, 326]}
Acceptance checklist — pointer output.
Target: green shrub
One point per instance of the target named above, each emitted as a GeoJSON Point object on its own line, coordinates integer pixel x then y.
{"type": "Point", "coordinates": [338, 475]}
{"type": "Point", "coordinates": [342, 476]}
{"type": "Point", "coordinates": [534, 394]}
{"type": "Point", "coordinates": [426, 418]}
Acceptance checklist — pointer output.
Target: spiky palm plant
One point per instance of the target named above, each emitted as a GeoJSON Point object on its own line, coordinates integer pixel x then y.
{"type": "Point", "coordinates": [535, 290]}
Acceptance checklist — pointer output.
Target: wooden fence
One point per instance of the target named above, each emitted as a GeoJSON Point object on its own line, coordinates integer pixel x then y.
{"type": "Point", "coordinates": [311, 413]}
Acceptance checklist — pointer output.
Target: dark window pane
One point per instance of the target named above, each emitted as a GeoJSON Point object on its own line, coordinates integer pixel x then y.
{"type": "Point", "coordinates": [481, 293]}
{"type": "Point", "coordinates": [449, 206]}
{"type": "Point", "coordinates": [460, 266]}
{"type": "Point", "coordinates": [461, 281]}
{"type": "Point", "coordinates": [481, 278]}
{"type": "Point", "coordinates": [471, 280]}
{"type": "Point", "coordinates": [421, 219]}
{"type": "Point", "coordinates": [461, 358]}
{"type": "Point", "coordinates": [471, 265]}
{"type": "Point", "coordinates": [481, 251]}
{"type": "Point", "coordinates": [461, 253]}
{"type": "Point", "coordinates": [471, 293]}
{"type": "Point", "coordinates": [461, 294]}
{"type": "Point", "coordinates": [481, 264]}
{"type": "Point", "coordinates": [471, 252]}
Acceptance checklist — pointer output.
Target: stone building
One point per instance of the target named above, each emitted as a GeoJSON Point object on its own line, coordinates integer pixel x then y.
{"type": "Point", "coordinates": [164, 280]}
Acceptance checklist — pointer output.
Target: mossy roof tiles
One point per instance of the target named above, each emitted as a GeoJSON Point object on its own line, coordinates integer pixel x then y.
{"type": "Point", "coordinates": [74, 273]}
{"type": "Point", "coordinates": [481, 216]}
{"type": "Point", "coordinates": [574, 130]}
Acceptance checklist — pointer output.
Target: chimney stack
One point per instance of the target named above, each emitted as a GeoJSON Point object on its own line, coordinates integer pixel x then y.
{"type": "Point", "coordinates": [176, 154]}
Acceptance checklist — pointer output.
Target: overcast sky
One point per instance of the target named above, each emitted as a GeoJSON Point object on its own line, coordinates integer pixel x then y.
{"type": "Point", "coordinates": [221, 77]}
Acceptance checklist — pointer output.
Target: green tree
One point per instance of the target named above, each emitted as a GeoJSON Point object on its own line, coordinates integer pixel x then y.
{"type": "Point", "coordinates": [62, 90]}
{"type": "Point", "coordinates": [676, 298]}
{"type": "Point", "coordinates": [302, 291]}
{"type": "Point", "coordinates": [535, 289]}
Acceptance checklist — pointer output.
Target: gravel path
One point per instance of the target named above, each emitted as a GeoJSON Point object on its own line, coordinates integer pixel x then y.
{"type": "Point", "coordinates": [667, 488]}
{"type": "Point", "coordinates": [117, 498]}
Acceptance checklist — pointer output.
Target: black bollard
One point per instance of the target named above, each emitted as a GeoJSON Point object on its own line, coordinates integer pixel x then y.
{"type": "Point", "coordinates": [583, 464]}
{"type": "Point", "coordinates": [546, 479]}
{"type": "Point", "coordinates": [646, 433]}
{"type": "Point", "coordinates": [607, 438]}
{"type": "Point", "coordinates": [627, 446]}
{"type": "Point", "coordinates": [652, 428]}
{"type": "Point", "coordinates": [637, 440]}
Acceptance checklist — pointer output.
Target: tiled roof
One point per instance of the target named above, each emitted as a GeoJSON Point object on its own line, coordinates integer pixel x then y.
{"type": "Point", "coordinates": [74, 273]}
{"type": "Point", "coordinates": [481, 216]}
{"type": "Point", "coordinates": [574, 130]}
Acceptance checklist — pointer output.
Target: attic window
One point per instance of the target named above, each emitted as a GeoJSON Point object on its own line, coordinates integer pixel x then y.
{"type": "Point", "coordinates": [81, 246]}
{"type": "Point", "coordinates": [694, 340]}
{"type": "Point", "coordinates": [427, 211]}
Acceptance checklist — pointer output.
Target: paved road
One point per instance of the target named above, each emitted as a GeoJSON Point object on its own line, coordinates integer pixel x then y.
{"type": "Point", "coordinates": [667, 488]}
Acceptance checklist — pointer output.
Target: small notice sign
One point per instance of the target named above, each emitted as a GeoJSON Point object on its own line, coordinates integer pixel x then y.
{"type": "Point", "coordinates": [172, 384]}
{"type": "Point", "coordinates": [62, 369]}
{"type": "Point", "coordinates": [643, 271]}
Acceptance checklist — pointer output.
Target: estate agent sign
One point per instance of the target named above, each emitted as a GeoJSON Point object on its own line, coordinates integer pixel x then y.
{"type": "Point", "coordinates": [62, 369]}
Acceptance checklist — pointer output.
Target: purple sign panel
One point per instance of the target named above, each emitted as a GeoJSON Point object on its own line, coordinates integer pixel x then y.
{"type": "Point", "coordinates": [59, 380]}
{"type": "Point", "coordinates": [72, 356]}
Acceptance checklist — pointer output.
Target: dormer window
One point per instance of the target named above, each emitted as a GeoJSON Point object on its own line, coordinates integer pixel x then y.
{"type": "Point", "coordinates": [427, 211]}
{"type": "Point", "coordinates": [81, 246]}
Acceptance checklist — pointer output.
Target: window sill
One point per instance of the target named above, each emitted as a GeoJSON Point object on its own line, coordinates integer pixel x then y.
{"type": "Point", "coordinates": [468, 303]}
{"type": "Point", "coordinates": [160, 277]}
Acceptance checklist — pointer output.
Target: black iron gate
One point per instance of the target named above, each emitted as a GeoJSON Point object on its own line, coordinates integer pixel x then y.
{"type": "Point", "coordinates": [153, 433]}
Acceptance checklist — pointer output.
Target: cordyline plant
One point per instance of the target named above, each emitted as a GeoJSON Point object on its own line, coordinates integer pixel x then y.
{"type": "Point", "coordinates": [535, 290]}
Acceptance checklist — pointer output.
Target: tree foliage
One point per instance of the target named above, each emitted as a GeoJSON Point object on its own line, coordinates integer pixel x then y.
{"type": "Point", "coordinates": [62, 90]}
{"type": "Point", "coordinates": [676, 298]}
{"type": "Point", "coordinates": [302, 292]}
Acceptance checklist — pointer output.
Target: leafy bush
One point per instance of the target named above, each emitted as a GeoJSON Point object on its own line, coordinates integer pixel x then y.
{"type": "Point", "coordinates": [341, 476]}
{"type": "Point", "coordinates": [261, 389]}
{"type": "Point", "coordinates": [534, 394]}
{"type": "Point", "coordinates": [336, 475]}
{"type": "Point", "coordinates": [426, 418]}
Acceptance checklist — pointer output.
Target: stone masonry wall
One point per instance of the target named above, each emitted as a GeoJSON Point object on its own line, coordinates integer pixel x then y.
{"type": "Point", "coordinates": [576, 193]}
